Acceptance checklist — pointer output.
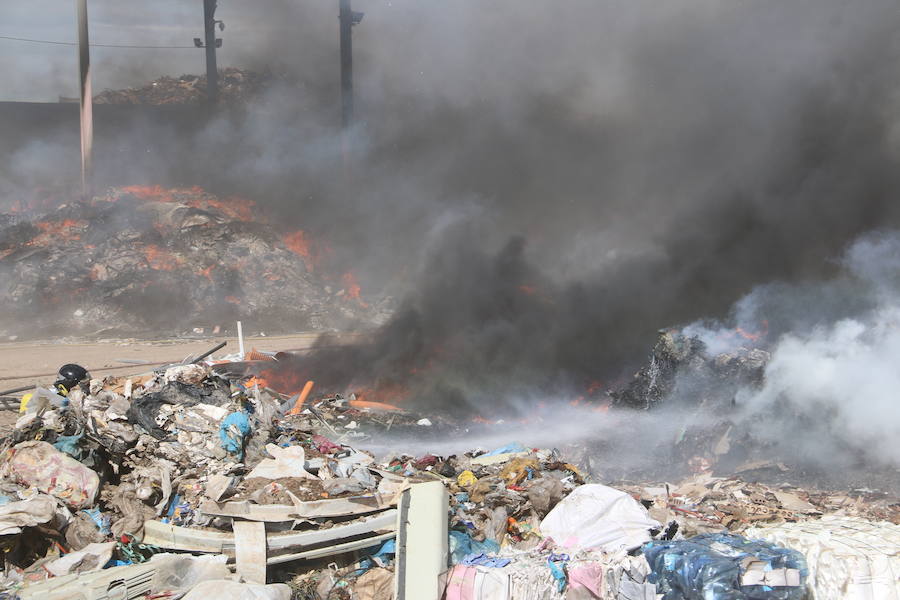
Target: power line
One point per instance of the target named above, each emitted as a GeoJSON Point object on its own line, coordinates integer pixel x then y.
{"type": "Point", "coordinates": [19, 39]}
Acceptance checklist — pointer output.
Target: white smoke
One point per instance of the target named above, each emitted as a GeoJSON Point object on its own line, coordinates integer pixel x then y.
{"type": "Point", "coordinates": [831, 391]}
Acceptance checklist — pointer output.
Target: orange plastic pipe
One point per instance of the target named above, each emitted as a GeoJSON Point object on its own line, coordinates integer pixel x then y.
{"type": "Point", "coordinates": [298, 405]}
{"type": "Point", "coordinates": [373, 405]}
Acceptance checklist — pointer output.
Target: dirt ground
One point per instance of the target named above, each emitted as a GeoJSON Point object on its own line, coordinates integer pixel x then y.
{"type": "Point", "coordinates": [30, 363]}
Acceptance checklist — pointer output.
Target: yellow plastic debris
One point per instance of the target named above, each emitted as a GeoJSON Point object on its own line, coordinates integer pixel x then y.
{"type": "Point", "coordinates": [466, 478]}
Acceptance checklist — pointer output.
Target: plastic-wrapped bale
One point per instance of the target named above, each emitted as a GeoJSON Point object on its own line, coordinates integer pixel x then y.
{"type": "Point", "coordinates": [717, 566]}
{"type": "Point", "coordinates": [528, 575]}
{"type": "Point", "coordinates": [849, 558]}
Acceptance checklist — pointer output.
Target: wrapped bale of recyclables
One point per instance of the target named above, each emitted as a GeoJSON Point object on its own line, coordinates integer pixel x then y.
{"type": "Point", "coordinates": [718, 566]}
{"type": "Point", "coordinates": [849, 558]}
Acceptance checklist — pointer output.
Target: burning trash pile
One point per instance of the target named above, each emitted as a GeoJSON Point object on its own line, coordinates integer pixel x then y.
{"type": "Point", "coordinates": [142, 259]}
{"type": "Point", "coordinates": [188, 481]}
{"type": "Point", "coordinates": [236, 87]}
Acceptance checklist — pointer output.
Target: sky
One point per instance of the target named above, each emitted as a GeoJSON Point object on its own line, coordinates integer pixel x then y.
{"type": "Point", "coordinates": [43, 72]}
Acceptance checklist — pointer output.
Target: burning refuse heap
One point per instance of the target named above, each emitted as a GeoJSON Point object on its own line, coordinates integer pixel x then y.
{"type": "Point", "coordinates": [680, 365]}
{"type": "Point", "coordinates": [236, 86]}
{"type": "Point", "coordinates": [186, 459]}
{"type": "Point", "coordinates": [146, 258]}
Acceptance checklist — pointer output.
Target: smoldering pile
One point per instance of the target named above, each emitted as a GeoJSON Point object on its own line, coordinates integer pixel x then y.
{"type": "Point", "coordinates": [162, 261]}
{"type": "Point", "coordinates": [102, 482]}
{"type": "Point", "coordinates": [236, 87]}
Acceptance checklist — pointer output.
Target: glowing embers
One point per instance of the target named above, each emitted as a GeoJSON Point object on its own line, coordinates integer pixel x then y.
{"type": "Point", "coordinates": [161, 259]}
{"type": "Point", "coordinates": [297, 243]}
{"type": "Point", "coordinates": [51, 232]}
{"type": "Point", "coordinates": [150, 258]}
{"type": "Point", "coordinates": [233, 207]}
{"type": "Point", "coordinates": [352, 288]}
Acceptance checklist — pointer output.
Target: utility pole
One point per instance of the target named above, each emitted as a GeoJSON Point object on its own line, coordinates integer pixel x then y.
{"type": "Point", "coordinates": [210, 43]}
{"type": "Point", "coordinates": [347, 19]}
{"type": "Point", "coordinates": [86, 101]}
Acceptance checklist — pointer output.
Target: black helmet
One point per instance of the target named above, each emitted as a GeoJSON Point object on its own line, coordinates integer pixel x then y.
{"type": "Point", "coordinates": [72, 374]}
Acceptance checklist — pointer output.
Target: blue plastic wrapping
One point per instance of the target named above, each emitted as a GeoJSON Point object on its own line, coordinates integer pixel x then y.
{"type": "Point", "coordinates": [507, 449]}
{"type": "Point", "coordinates": [713, 566]}
{"type": "Point", "coordinates": [462, 545]}
{"type": "Point", "coordinates": [233, 430]}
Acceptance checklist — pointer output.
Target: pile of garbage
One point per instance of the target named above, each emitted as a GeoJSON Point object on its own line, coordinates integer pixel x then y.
{"type": "Point", "coordinates": [236, 87]}
{"type": "Point", "coordinates": [150, 259]}
{"type": "Point", "coordinates": [185, 481]}
{"type": "Point", "coordinates": [681, 367]}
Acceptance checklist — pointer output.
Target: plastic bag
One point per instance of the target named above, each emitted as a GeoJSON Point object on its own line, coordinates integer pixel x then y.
{"type": "Point", "coordinates": [26, 513]}
{"type": "Point", "coordinates": [721, 566]}
{"type": "Point", "coordinates": [543, 493]}
{"type": "Point", "coordinates": [287, 462]}
{"type": "Point", "coordinates": [90, 558]}
{"type": "Point", "coordinates": [180, 572]}
{"type": "Point", "coordinates": [597, 516]}
{"type": "Point", "coordinates": [462, 545]}
{"type": "Point", "coordinates": [40, 465]}
{"type": "Point", "coordinates": [233, 431]}
{"type": "Point", "coordinates": [223, 589]}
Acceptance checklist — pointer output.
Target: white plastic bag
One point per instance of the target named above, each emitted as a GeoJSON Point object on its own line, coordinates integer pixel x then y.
{"type": "Point", "coordinates": [181, 572]}
{"type": "Point", "coordinates": [223, 589]}
{"type": "Point", "coordinates": [597, 516]}
{"type": "Point", "coordinates": [287, 462]}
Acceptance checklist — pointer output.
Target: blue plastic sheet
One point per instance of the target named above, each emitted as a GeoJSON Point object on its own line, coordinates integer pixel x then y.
{"type": "Point", "coordinates": [462, 545]}
{"type": "Point", "coordinates": [101, 520]}
{"type": "Point", "coordinates": [483, 560]}
{"type": "Point", "coordinates": [379, 555]}
{"type": "Point", "coordinates": [233, 430]}
{"type": "Point", "coordinates": [69, 444]}
{"type": "Point", "coordinates": [559, 574]}
{"type": "Point", "coordinates": [513, 447]}
{"type": "Point", "coordinates": [711, 567]}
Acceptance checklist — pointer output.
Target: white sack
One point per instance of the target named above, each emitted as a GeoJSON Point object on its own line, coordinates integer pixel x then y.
{"type": "Point", "coordinates": [597, 516]}
{"type": "Point", "coordinates": [224, 589]}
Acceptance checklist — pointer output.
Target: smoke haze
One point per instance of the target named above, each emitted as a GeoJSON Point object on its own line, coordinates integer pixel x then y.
{"type": "Point", "coordinates": [542, 185]}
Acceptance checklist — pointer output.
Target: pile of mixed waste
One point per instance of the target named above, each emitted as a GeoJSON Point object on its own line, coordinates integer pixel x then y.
{"type": "Point", "coordinates": [236, 86]}
{"type": "Point", "coordinates": [187, 481]}
{"type": "Point", "coordinates": [141, 259]}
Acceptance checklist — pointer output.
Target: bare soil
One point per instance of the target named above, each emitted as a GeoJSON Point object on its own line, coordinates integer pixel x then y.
{"type": "Point", "coordinates": [31, 363]}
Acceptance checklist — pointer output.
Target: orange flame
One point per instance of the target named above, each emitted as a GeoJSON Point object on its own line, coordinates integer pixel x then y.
{"type": "Point", "coordinates": [283, 381]}
{"type": "Point", "coordinates": [754, 336]}
{"type": "Point", "coordinates": [149, 192]}
{"type": "Point", "coordinates": [352, 289]}
{"type": "Point", "coordinates": [160, 259]}
{"type": "Point", "coordinates": [298, 243]}
{"type": "Point", "coordinates": [57, 230]}
{"type": "Point", "coordinates": [383, 394]}
{"type": "Point", "coordinates": [207, 272]}
{"type": "Point", "coordinates": [233, 207]}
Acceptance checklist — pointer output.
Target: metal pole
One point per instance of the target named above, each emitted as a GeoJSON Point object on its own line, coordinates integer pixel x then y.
{"type": "Point", "coordinates": [212, 72]}
{"type": "Point", "coordinates": [346, 20]}
{"type": "Point", "coordinates": [85, 102]}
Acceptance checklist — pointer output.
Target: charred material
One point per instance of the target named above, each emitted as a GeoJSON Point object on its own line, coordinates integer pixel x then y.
{"type": "Point", "coordinates": [146, 258]}
{"type": "Point", "coordinates": [680, 366]}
